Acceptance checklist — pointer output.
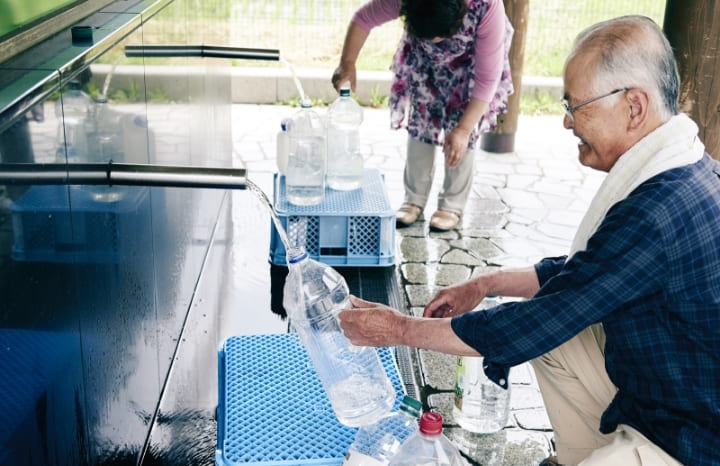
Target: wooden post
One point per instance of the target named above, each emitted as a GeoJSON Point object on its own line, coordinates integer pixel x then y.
{"type": "Point", "coordinates": [693, 29]}
{"type": "Point", "coordinates": [503, 139]}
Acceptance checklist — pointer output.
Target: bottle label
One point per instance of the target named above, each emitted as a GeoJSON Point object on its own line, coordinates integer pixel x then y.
{"type": "Point", "coordinates": [460, 381]}
{"type": "Point", "coordinates": [355, 458]}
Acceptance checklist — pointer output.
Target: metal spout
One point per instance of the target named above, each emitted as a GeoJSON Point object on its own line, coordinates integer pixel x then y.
{"type": "Point", "coordinates": [122, 174]}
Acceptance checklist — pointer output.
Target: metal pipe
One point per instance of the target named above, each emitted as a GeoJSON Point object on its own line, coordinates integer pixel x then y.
{"type": "Point", "coordinates": [211, 51]}
{"type": "Point", "coordinates": [122, 174]}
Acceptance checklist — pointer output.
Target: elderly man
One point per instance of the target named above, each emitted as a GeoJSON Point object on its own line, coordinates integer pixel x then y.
{"type": "Point", "coordinates": [624, 331]}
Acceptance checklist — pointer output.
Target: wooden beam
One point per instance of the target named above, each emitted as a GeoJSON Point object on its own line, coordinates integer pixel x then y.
{"type": "Point", "coordinates": [693, 29]}
{"type": "Point", "coordinates": [503, 139]}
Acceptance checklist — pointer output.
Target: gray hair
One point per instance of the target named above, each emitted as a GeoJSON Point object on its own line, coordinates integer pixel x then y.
{"type": "Point", "coordinates": [632, 51]}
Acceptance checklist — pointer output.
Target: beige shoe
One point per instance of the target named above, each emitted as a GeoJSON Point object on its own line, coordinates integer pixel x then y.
{"type": "Point", "coordinates": [407, 214]}
{"type": "Point", "coordinates": [443, 220]}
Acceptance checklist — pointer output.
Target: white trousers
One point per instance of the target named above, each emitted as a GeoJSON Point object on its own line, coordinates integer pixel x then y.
{"type": "Point", "coordinates": [576, 390]}
{"type": "Point", "coordinates": [420, 171]}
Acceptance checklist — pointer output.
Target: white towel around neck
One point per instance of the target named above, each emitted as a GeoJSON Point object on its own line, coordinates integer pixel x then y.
{"type": "Point", "coordinates": [672, 145]}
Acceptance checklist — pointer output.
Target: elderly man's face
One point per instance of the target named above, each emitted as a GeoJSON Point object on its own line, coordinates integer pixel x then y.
{"type": "Point", "coordinates": [601, 126]}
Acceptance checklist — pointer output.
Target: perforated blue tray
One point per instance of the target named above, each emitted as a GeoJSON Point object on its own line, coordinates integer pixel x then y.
{"type": "Point", "coordinates": [355, 228]}
{"type": "Point", "coordinates": [272, 409]}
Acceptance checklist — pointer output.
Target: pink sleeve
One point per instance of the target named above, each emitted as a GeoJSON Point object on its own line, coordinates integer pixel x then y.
{"type": "Point", "coordinates": [489, 52]}
{"type": "Point", "coordinates": [376, 12]}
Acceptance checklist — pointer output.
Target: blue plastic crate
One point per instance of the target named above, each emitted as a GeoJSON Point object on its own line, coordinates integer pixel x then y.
{"type": "Point", "coordinates": [354, 228]}
{"type": "Point", "coordinates": [272, 408]}
{"type": "Point", "coordinates": [84, 224]}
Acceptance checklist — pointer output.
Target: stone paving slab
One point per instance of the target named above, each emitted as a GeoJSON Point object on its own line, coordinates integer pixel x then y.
{"type": "Point", "coordinates": [525, 205]}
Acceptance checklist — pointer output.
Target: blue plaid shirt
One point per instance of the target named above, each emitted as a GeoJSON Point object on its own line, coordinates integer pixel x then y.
{"type": "Point", "coordinates": [651, 275]}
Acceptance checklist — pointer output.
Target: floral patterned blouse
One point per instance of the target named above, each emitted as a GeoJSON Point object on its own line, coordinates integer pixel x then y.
{"type": "Point", "coordinates": [433, 82]}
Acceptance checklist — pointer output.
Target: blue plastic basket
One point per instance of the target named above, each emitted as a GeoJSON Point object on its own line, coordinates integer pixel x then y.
{"type": "Point", "coordinates": [83, 224]}
{"type": "Point", "coordinates": [355, 228]}
{"type": "Point", "coordinates": [272, 408]}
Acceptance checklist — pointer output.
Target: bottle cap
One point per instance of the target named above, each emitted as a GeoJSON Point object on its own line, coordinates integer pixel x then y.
{"type": "Point", "coordinates": [411, 406]}
{"type": "Point", "coordinates": [295, 255]}
{"type": "Point", "coordinates": [431, 423]}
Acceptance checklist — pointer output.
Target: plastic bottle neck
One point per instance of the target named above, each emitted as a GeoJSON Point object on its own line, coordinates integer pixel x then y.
{"type": "Point", "coordinates": [410, 407]}
{"type": "Point", "coordinates": [296, 255]}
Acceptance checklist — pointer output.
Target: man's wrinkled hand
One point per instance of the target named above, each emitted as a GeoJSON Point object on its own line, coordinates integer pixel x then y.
{"type": "Point", "coordinates": [371, 324]}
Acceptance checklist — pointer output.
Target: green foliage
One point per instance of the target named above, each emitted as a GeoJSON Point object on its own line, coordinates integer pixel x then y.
{"type": "Point", "coordinates": [541, 103]}
{"type": "Point", "coordinates": [158, 95]}
{"type": "Point", "coordinates": [377, 100]}
{"type": "Point", "coordinates": [126, 95]}
{"type": "Point", "coordinates": [296, 101]}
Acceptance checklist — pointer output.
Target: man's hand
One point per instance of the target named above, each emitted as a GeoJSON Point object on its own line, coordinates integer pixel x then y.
{"type": "Point", "coordinates": [454, 300]}
{"type": "Point", "coordinates": [372, 324]}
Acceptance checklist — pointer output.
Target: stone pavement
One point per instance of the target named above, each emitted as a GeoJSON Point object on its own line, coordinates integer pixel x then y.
{"type": "Point", "coordinates": [525, 205]}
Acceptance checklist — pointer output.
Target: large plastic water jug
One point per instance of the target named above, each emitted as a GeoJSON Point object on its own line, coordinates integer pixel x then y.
{"type": "Point", "coordinates": [353, 377]}
{"type": "Point", "coordinates": [307, 157]}
{"type": "Point", "coordinates": [345, 160]}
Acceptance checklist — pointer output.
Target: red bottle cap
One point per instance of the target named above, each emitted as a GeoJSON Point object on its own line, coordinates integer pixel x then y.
{"type": "Point", "coordinates": [431, 423]}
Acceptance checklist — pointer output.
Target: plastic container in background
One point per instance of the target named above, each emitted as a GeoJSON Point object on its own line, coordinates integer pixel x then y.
{"type": "Point", "coordinates": [377, 443]}
{"type": "Point", "coordinates": [106, 143]}
{"type": "Point", "coordinates": [345, 160]}
{"type": "Point", "coordinates": [72, 111]}
{"type": "Point", "coordinates": [481, 406]}
{"type": "Point", "coordinates": [353, 377]}
{"type": "Point", "coordinates": [307, 157]}
{"type": "Point", "coordinates": [428, 446]}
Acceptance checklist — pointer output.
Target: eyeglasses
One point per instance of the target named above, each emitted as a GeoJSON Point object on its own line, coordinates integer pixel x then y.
{"type": "Point", "coordinates": [569, 109]}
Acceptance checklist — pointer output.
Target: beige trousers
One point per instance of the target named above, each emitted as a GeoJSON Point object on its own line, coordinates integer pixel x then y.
{"type": "Point", "coordinates": [420, 171]}
{"type": "Point", "coordinates": [576, 390]}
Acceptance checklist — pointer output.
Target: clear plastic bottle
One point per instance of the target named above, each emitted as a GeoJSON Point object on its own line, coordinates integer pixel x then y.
{"type": "Point", "coordinates": [107, 138]}
{"type": "Point", "coordinates": [307, 157]}
{"type": "Point", "coordinates": [377, 443]}
{"type": "Point", "coordinates": [345, 160]}
{"type": "Point", "coordinates": [72, 110]}
{"type": "Point", "coordinates": [353, 377]}
{"type": "Point", "coordinates": [481, 406]}
{"type": "Point", "coordinates": [428, 446]}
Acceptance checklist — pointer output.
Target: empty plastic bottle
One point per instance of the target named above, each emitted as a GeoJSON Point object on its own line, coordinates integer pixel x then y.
{"type": "Point", "coordinates": [107, 137]}
{"type": "Point", "coordinates": [353, 377]}
{"type": "Point", "coordinates": [428, 446]}
{"type": "Point", "coordinates": [72, 111]}
{"type": "Point", "coordinates": [345, 161]}
{"type": "Point", "coordinates": [377, 443]}
{"type": "Point", "coordinates": [307, 157]}
{"type": "Point", "coordinates": [481, 406]}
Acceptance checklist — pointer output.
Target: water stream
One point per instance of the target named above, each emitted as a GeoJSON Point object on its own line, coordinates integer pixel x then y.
{"type": "Point", "coordinates": [255, 189]}
{"type": "Point", "coordinates": [295, 79]}
{"type": "Point", "coordinates": [301, 227]}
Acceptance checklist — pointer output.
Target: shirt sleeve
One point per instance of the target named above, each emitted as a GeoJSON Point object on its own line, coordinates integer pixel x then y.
{"type": "Point", "coordinates": [549, 267]}
{"type": "Point", "coordinates": [489, 52]}
{"type": "Point", "coordinates": [624, 262]}
{"type": "Point", "coordinates": [376, 12]}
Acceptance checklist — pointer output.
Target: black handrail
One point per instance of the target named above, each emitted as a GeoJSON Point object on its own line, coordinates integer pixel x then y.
{"type": "Point", "coordinates": [205, 51]}
{"type": "Point", "coordinates": [122, 174]}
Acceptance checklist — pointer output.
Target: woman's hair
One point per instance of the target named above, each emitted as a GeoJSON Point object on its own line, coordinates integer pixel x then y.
{"type": "Point", "coordinates": [632, 51]}
{"type": "Point", "coordinates": [428, 19]}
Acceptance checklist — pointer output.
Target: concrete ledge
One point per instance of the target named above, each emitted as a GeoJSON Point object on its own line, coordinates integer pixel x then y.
{"type": "Point", "coordinates": [272, 85]}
